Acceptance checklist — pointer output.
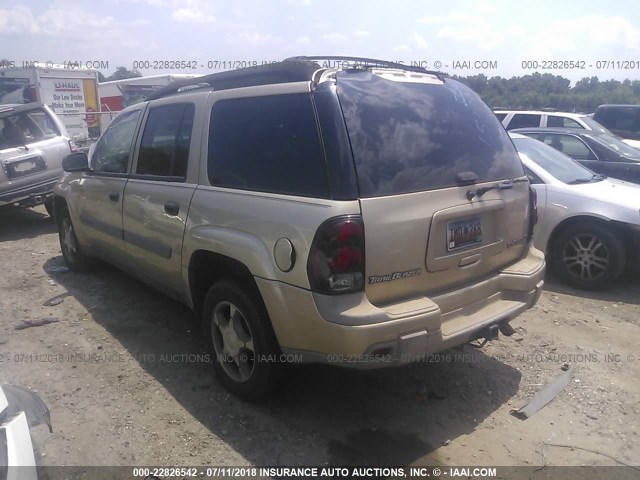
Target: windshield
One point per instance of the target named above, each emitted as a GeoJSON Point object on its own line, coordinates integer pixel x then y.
{"type": "Point", "coordinates": [554, 162]}
{"type": "Point", "coordinates": [617, 145]}
{"type": "Point", "coordinates": [409, 136]}
{"type": "Point", "coordinates": [595, 126]}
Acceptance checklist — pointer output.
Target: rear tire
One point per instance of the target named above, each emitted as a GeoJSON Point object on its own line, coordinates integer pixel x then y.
{"type": "Point", "coordinates": [241, 340]}
{"type": "Point", "coordinates": [589, 256]}
{"type": "Point", "coordinates": [74, 256]}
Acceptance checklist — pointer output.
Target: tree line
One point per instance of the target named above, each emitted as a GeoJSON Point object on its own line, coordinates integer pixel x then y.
{"type": "Point", "coordinates": [537, 91]}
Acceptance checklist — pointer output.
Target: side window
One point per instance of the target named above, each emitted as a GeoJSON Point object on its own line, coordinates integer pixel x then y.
{"type": "Point", "coordinates": [569, 145]}
{"type": "Point", "coordinates": [165, 142]}
{"type": "Point", "coordinates": [563, 122]}
{"type": "Point", "coordinates": [625, 119]}
{"type": "Point", "coordinates": [268, 144]}
{"type": "Point", "coordinates": [500, 116]}
{"type": "Point", "coordinates": [533, 178]}
{"type": "Point", "coordinates": [524, 120]}
{"type": "Point", "coordinates": [113, 150]}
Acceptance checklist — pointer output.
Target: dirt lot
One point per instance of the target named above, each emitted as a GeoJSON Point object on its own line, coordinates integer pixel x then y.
{"type": "Point", "coordinates": [120, 373]}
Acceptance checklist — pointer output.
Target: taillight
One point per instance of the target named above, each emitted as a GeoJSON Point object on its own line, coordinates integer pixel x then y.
{"type": "Point", "coordinates": [336, 258]}
{"type": "Point", "coordinates": [73, 147]}
{"type": "Point", "coordinates": [533, 211]}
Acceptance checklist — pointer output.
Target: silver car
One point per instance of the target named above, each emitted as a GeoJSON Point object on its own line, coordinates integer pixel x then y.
{"type": "Point", "coordinates": [33, 142]}
{"type": "Point", "coordinates": [589, 225]}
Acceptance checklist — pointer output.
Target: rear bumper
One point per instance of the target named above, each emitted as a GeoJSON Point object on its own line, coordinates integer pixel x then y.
{"type": "Point", "coordinates": [350, 331]}
{"type": "Point", "coordinates": [28, 196]}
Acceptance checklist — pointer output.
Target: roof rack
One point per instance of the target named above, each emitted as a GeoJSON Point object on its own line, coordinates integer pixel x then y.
{"type": "Point", "coordinates": [292, 69]}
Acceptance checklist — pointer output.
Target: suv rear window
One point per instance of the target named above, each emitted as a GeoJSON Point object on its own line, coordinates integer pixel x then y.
{"type": "Point", "coordinates": [409, 137]}
{"type": "Point", "coordinates": [26, 127]}
{"type": "Point", "coordinates": [267, 144]}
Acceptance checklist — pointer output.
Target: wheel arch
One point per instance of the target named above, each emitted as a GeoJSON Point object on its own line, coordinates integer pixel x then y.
{"type": "Point", "coordinates": [59, 204]}
{"type": "Point", "coordinates": [207, 267]}
{"type": "Point", "coordinates": [619, 227]}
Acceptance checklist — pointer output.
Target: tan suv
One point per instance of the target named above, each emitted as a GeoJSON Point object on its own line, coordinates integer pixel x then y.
{"type": "Point", "coordinates": [365, 216]}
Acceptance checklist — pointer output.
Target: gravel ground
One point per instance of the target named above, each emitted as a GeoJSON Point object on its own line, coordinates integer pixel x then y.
{"type": "Point", "coordinates": [119, 369]}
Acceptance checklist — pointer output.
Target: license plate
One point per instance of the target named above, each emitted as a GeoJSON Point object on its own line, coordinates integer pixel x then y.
{"type": "Point", "coordinates": [25, 167]}
{"type": "Point", "coordinates": [462, 233]}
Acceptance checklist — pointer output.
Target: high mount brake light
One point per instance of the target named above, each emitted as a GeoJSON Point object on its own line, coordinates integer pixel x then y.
{"type": "Point", "coordinates": [336, 258]}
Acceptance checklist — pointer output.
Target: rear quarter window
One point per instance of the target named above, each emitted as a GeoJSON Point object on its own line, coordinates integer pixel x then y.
{"type": "Point", "coordinates": [267, 144]}
{"type": "Point", "coordinates": [409, 137]}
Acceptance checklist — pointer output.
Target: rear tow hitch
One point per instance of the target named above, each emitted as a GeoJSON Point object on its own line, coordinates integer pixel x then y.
{"type": "Point", "coordinates": [506, 329]}
{"type": "Point", "coordinates": [487, 334]}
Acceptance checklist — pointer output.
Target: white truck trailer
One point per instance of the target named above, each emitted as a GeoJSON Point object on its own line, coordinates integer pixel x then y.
{"type": "Point", "coordinates": [72, 93]}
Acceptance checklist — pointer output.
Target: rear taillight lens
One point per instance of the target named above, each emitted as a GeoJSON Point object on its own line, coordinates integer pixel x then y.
{"type": "Point", "coordinates": [73, 147]}
{"type": "Point", "coordinates": [533, 211]}
{"type": "Point", "coordinates": [336, 259]}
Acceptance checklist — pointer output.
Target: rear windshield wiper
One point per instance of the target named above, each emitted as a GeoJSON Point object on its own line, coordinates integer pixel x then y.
{"type": "Point", "coordinates": [505, 185]}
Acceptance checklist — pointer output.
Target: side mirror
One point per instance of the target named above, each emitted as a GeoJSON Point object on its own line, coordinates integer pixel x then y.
{"type": "Point", "coordinates": [75, 162]}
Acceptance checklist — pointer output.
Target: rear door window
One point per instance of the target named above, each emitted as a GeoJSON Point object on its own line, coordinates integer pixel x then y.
{"type": "Point", "coordinates": [411, 136]}
{"type": "Point", "coordinates": [570, 145]}
{"type": "Point", "coordinates": [165, 142]}
{"type": "Point", "coordinates": [524, 120]}
{"type": "Point", "coordinates": [267, 144]}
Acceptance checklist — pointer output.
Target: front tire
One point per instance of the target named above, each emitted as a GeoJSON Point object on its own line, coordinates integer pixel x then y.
{"type": "Point", "coordinates": [74, 256]}
{"type": "Point", "coordinates": [241, 340]}
{"type": "Point", "coordinates": [589, 256]}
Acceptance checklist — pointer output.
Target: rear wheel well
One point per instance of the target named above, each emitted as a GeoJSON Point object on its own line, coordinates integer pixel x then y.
{"type": "Point", "coordinates": [207, 268]}
{"type": "Point", "coordinates": [618, 227]}
{"type": "Point", "coordinates": [59, 205]}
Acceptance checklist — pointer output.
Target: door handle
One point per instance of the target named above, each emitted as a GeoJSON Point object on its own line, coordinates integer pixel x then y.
{"type": "Point", "coordinates": [172, 208]}
{"type": "Point", "coordinates": [114, 196]}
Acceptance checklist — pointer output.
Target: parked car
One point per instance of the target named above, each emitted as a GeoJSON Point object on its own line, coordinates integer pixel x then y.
{"type": "Point", "coordinates": [622, 120]}
{"type": "Point", "coordinates": [33, 142]}
{"type": "Point", "coordinates": [20, 409]}
{"type": "Point", "coordinates": [589, 225]}
{"type": "Point", "coordinates": [291, 207]}
{"type": "Point", "coordinates": [599, 152]}
{"type": "Point", "coordinates": [512, 119]}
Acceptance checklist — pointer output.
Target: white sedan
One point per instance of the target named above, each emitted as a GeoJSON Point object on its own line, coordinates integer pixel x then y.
{"type": "Point", "coordinates": [588, 225]}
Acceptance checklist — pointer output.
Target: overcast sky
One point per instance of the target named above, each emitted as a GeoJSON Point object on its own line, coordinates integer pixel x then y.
{"type": "Point", "coordinates": [120, 32]}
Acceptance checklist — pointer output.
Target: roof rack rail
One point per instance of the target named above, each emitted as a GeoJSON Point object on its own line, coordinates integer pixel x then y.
{"type": "Point", "coordinates": [265, 74]}
{"type": "Point", "coordinates": [292, 69]}
{"type": "Point", "coordinates": [368, 62]}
